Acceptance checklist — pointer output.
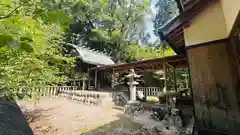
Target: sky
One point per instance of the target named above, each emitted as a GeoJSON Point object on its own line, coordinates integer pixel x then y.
{"type": "Point", "coordinates": [149, 22]}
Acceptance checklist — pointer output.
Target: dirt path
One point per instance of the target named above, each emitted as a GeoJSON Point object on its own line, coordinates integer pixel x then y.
{"type": "Point", "coordinates": [58, 116]}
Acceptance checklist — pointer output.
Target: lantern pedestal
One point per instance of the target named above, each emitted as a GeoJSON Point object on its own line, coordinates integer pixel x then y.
{"type": "Point", "coordinates": [133, 108]}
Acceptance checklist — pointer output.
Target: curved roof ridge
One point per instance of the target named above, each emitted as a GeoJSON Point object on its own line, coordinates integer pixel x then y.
{"type": "Point", "coordinates": [92, 56]}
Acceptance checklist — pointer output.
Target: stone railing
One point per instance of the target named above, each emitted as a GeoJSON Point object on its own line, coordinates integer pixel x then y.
{"type": "Point", "coordinates": [69, 92]}
{"type": "Point", "coordinates": [85, 97]}
{"type": "Point", "coordinates": [149, 91]}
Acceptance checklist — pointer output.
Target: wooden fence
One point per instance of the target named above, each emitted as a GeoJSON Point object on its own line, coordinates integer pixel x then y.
{"type": "Point", "coordinates": [149, 91]}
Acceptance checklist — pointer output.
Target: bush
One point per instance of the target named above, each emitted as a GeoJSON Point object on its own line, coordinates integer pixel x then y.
{"type": "Point", "coordinates": [152, 99]}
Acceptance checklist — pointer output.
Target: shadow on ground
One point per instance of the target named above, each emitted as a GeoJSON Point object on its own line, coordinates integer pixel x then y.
{"type": "Point", "coordinates": [36, 114]}
{"type": "Point", "coordinates": [122, 126]}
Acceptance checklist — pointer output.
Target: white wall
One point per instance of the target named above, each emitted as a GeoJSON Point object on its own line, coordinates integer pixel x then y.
{"type": "Point", "coordinates": [208, 26]}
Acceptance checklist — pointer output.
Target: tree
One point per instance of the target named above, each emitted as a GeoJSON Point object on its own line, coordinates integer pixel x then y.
{"type": "Point", "coordinates": [114, 23]}
{"type": "Point", "coordinates": [135, 52]}
{"type": "Point", "coordinates": [29, 54]}
{"type": "Point", "coordinates": [166, 10]}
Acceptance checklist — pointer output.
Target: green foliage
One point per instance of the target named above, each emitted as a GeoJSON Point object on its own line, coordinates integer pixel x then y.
{"type": "Point", "coordinates": [152, 99]}
{"type": "Point", "coordinates": [29, 55]}
{"type": "Point", "coordinates": [116, 27]}
{"type": "Point", "coordinates": [181, 78]}
{"type": "Point", "coordinates": [152, 79]}
{"type": "Point", "coordinates": [137, 52]}
{"type": "Point", "coordinates": [167, 10]}
{"type": "Point", "coordinates": [110, 25]}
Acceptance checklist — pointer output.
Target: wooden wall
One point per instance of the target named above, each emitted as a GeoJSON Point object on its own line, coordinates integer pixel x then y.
{"type": "Point", "coordinates": [215, 87]}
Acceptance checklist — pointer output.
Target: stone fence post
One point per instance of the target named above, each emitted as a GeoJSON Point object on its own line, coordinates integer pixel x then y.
{"type": "Point", "coordinates": [84, 83]}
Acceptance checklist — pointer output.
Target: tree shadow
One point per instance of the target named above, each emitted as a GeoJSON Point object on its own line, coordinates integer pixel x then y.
{"type": "Point", "coordinates": [38, 118]}
{"type": "Point", "coordinates": [36, 114]}
{"type": "Point", "coordinates": [123, 126]}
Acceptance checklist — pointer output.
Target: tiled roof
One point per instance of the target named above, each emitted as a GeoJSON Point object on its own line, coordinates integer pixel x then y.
{"type": "Point", "coordinates": [93, 57]}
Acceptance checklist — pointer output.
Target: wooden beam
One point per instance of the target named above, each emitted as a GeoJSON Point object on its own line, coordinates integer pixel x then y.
{"type": "Point", "coordinates": [179, 33]}
{"type": "Point", "coordinates": [169, 65]}
{"type": "Point", "coordinates": [178, 29]}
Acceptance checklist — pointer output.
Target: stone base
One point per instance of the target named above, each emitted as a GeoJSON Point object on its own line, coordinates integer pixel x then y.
{"type": "Point", "coordinates": [170, 116]}
{"type": "Point", "coordinates": [133, 108]}
{"type": "Point", "coordinates": [159, 111]}
{"type": "Point", "coordinates": [177, 117]}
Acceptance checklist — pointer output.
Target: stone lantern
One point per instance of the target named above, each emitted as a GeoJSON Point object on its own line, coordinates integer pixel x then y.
{"type": "Point", "coordinates": [133, 106]}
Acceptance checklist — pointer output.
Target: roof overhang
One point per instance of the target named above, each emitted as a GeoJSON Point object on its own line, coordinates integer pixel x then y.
{"type": "Point", "coordinates": [173, 31]}
{"type": "Point", "coordinates": [177, 61]}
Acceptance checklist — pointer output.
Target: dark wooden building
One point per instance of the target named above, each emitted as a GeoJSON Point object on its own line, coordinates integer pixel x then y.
{"type": "Point", "coordinates": [86, 59]}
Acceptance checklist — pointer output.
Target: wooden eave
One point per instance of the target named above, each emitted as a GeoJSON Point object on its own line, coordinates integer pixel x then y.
{"type": "Point", "coordinates": [178, 61]}
{"type": "Point", "coordinates": [173, 32]}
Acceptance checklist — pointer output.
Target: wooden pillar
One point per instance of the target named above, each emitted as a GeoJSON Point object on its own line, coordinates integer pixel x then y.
{"type": "Point", "coordinates": [99, 83]}
{"type": "Point", "coordinates": [165, 87]}
{"type": "Point", "coordinates": [186, 80]}
{"type": "Point", "coordinates": [215, 86]}
{"type": "Point", "coordinates": [165, 76]}
{"type": "Point", "coordinates": [165, 80]}
{"type": "Point", "coordinates": [88, 79]}
{"type": "Point", "coordinates": [175, 78]}
{"type": "Point", "coordinates": [95, 79]}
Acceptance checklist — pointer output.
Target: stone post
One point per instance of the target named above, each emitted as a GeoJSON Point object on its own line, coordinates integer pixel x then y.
{"type": "Point", "coordinates": [84, 82]}
{"type": "Point", "coordinates": [95, 79]}
{"type": "Point", "coordinates": [113, 79]}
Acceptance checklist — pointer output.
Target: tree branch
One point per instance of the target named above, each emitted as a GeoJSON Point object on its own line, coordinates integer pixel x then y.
{"type": "Point", "coordinates": [11, 13]}
{"type": "Point", "coordinates": [87, 16]}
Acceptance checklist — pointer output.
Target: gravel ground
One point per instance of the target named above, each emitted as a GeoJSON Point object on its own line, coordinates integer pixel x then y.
{"type": "Point", "coordinates": [58, 116]}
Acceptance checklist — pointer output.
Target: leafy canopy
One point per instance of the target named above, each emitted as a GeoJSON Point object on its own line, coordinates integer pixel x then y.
{"type": "Point", "coordinates": [29, 55]}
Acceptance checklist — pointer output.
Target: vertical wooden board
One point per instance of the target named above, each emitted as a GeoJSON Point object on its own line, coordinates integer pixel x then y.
{"type": "Point", "coordinates": [212, 78]}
